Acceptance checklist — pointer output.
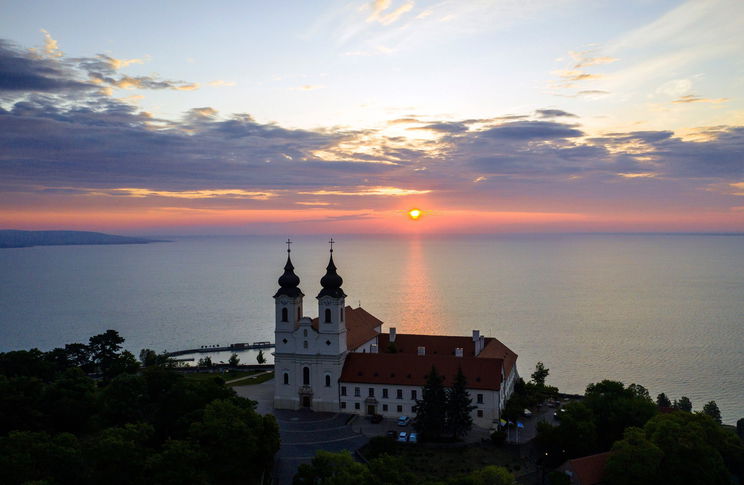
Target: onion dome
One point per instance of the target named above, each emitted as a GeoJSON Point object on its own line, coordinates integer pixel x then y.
{"type": "Point", "coordinates": [331, 282]}
{"type": "Point", "coordinates": [289, 281]}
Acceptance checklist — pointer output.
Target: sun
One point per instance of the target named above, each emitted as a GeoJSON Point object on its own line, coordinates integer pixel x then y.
{"type": "Point", "coordinates": [414, 214]}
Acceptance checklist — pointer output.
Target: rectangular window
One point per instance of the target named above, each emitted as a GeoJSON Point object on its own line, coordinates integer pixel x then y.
{"type": "Point", "coordinates": [371, 392]}
{"type": "Point", "coordinates": [413, 395]}
{"type": "Point", "coordinates": [480, 413]}
{"type": "Point", "coordinates": [384, 407]}
{"type": "Point", "coordinates": [343, 390]}
{"type": "Point", "coordinates": [413, 409]}
{"type": "Point", "coordinates": [343, 404]}
{"type": "Point", "coordinates": [357, 392]}
{"type": "Point", "coordinates": [399, 394]}
{"type": "Point", "coordinates": [384, 394]}
{"type": "Point", "coordinates": [479, 398]}
{"type": "Point", "coordinates": [356, 405]}
{"type": "Point", "coordinates": [400, 408]}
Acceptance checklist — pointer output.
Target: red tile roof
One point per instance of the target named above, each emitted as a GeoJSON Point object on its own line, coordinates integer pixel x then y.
{"type": "Point", "coordinates": [589, 470]}
{"type": "Point", "coordinates": [446, 345]}
{"type": "Point", "coordinates": [409, 369]}
{"type": "Point", "coordinates": [360, 326]}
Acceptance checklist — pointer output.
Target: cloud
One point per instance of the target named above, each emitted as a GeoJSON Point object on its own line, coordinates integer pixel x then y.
{"type": "Point", "coordinates": [220, 82]}
{"type": "Point", "coordinates": [365, 191]}
{"type": "Point", "coordinates": [51, 49]}
{"type": "Point", "coordinates": [451, 127]}
{"type": "Point", "coordinates": [380, 6]}
{"type": "Point", "coordinates": [189, 194]}
{"type": "Point", "coordinates": [585, 59]}
{"type": "Point", "coordinates": [693, 98]}
{"type": "Point", "coordinates": [307, 87]}
{"type": "Point", "coordinates": [554, 113]}
{"type": "Point", "coordinates": [531, 130]}
{"type": "Point", "coordinates": [21, 71]}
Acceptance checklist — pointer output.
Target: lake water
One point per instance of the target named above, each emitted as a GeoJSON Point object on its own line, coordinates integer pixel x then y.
{"type": "Point", "coordinates": [664, 311]}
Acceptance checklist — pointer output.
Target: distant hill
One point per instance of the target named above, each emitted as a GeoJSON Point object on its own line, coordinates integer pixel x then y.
{"type": "Point", "coordinates": [25, 239]}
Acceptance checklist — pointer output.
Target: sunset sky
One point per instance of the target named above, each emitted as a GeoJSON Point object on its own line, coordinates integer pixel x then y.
{"type": "Point", "coordinates": [235, 117]}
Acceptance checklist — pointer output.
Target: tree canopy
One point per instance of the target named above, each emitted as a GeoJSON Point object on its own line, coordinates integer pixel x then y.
{"type": "Point", "coordinates": [57, 425]}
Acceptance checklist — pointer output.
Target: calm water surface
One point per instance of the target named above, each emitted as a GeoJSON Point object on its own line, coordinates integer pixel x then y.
{"type": "Point", "coordinates": [666, 312]}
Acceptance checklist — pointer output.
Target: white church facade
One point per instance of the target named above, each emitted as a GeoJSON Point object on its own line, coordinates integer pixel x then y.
{"type": "Point", "coordinates": [342, 361]}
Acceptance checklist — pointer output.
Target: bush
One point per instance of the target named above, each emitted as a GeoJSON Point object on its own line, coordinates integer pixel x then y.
{"type": "Point", "coordinates": [498, 437]}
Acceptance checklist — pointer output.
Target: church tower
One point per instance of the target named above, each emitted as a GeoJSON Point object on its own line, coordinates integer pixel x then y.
{"type": "Point", "coordinates": [309, 354]}
{"type": "Point", "coordinates": [288, 299]}
{"type": "Point", "coordinates": [331, 308]}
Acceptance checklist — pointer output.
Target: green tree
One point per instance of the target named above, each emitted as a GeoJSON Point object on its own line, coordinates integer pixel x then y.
{"type": "Point", "coordinates": [492, 475]}
{"type": "Point", "coordinates": [431, 410]}
{"type": "Point", "coordinates": [205, 362]}
{"type": "Point", "coordinates": [634, 460]}
{"type": "Point", "coordinates": [333, 469]}
{"type": "Point", "coordinates": [260, 357]}
{"type": "Point", "coordinates": [390, 470]}
{"type": "Point", "coordinates": [27, 456]}
{"type": "Point", "coordinates": [234, 360]}
{"type": "Point", "coordinates": [540, 374]}
{"type": "Point", "coordinates": [689, 444]}
{"type": "Point", "coordinates": [238, 442]}
{"type": "Point", "coordinates": [684, 404]}
{"type": "Point", "coordinates": [577, 434]}
{"type": "Point", "coordinates": [663, 401]}
{"type": "Point", "coordinates": [118, 454]}
{"type": "Point", "coordinates": [616, 407]}
{"type": "Point", "coordinates": [459, 407]}
{"type": "Point", "coordinates": [639, 391]}
{"type": "Point", "coordinates": [21, 400]}
{"type": "Point", "coordinates": [178, 463]}
{"type": "Point", "coordinates": [711, 409]}
{"type": "Point", "coordinates": [70, 400]}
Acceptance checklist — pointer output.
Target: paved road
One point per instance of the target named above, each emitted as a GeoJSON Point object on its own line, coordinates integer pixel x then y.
{"type": "Point", "coordinates": [302, 433]}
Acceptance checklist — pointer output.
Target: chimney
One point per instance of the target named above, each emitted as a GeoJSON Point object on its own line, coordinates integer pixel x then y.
{"type": "Point", "coordinates": [422, 351]}
{"type": "Point", "coordinates": [373, 349]}
{"type": "Point", "coordinates": [480, 345]}
{"type": "Point", "coordinates": [458, 352]}
{"type": "Point", "coordinates": [476, 335]}
{"type": "Point", "coordinates": [392, 334]}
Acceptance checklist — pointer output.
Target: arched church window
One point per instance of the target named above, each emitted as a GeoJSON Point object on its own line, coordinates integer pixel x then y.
{"type": "Point", "coordinates": [306, 376]}
{"type": "Point", "coordinates": [328, 380]}
{"type": "Point", "coordinates": [327, 315]}
{"type": "Point", "coordinates": [286, 377]}
{"type": "Point", "coordinates": [299, 313]}
{"type": "Point", "coordinates": [305, 344]}
{"type": "Point", "coordinates": [304, 332]}
{"type": "Point", "coordinates": [342, 314]}
{"type": "Point", "coordinates": [285, 315]}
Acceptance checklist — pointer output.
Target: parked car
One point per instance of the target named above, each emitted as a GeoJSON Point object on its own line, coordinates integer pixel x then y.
{"type": "Point", "coordinates": [376, 418]}
{"type": "Point", "coordinates": [559, 413]}
{"type": "Point", "coordinates": [392, 433]}
{"type": "Point", "coordinates": [527, 413]}
{"type": "Point", "coordinates": [404, 421]}
{"type": "Point", "coordinates": [412, 438]}
{"type": "Point", "coordinates": [403, 437]}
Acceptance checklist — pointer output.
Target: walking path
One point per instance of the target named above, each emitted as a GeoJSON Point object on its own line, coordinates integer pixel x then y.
{"type": "Point", "coordinates": [240, 379]}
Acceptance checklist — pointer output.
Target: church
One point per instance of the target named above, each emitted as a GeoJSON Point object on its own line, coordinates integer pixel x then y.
{"type": "Point", "coordinates": [342, 361]}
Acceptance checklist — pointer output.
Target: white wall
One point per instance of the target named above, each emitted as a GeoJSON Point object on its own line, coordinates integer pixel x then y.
{"type": "Point", "coordinates": [490, 407]}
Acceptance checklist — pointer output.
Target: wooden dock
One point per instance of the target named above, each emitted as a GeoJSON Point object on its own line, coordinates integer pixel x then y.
{"type": "Point", "coordinates": [238, 347]}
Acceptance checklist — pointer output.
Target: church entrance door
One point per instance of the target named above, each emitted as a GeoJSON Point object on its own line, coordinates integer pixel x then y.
{"type": "Point", "coordinates": [305, 401]}
{"type": "Point", "coordinates": [370, 409]}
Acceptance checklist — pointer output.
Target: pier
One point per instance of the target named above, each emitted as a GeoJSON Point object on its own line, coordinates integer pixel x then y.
{"type": "Point", "coordinates": [238, 347]}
